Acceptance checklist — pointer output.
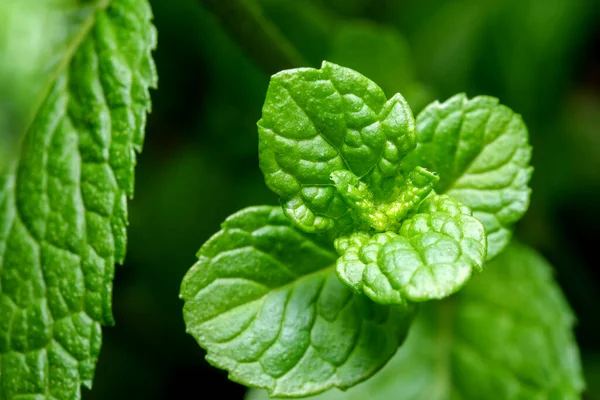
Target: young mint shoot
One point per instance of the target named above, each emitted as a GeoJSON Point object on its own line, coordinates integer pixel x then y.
{"type": "Point", "coordinates": [378, 212]}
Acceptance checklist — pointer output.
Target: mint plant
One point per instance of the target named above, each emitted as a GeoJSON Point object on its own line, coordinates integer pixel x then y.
{"type": "Point", "coordinates": [63, 201]}
{"type": "Point", "coordinates": [378, 214]}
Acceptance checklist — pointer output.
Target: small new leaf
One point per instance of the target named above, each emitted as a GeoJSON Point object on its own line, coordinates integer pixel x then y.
{"type": "Point", "coordinates": [264, 301]}
{"type": "Point", "coordinates": [383, 216]}
{"type": "Point", "coordinates": [506, 335]}
{"type": "Point", "coordinates": [432, 256]}
{"type": "Point", "coordinates": [315, 122]}
{"type": "Point", "coordinates": [480, 150]}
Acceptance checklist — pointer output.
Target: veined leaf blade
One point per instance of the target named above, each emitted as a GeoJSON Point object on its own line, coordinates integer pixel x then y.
{"type": "Point", "coordinates": [480, 150]}
{"type": "Point", "coordinates": [265, 303]}
{"type": "Point", "coordinates": [63, 210]}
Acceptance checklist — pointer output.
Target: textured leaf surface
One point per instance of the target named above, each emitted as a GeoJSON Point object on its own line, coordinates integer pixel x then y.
{"type": "Point", "coordinates": [383, 216]}
{"type": "Point", "coordinates": [506, 335]}
{"type": "Point", "coordinates": [315, 122]}
{"type": "Point", "coordinates": [264, 301]}
{"type": "Point", "coordinates": [432, 256]}
{"type": "Point", "coordinates": [63, 205]}
{"type": "Point", "coordinates": [480, 150]}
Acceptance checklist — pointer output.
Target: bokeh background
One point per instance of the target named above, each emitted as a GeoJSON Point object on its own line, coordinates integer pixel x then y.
{"type": "Point", "coordinates": [539, 57]}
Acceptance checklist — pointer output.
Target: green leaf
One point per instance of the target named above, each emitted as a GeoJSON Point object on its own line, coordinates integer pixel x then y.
{"type": "Point", "coordinates": [432, 256]}
{"type": "Point", "coordinates": [480, 150]}
{"type": "Point", "coordinates": [315, 122]}
{"type": "Point", "coordinates": [63, 208]}
{"type": "Point", "coordinates": [506, 335]}
{"type": "Point", "coordinates": [264, 301]}
{"type": "Point", "coordinates": [383, 216]}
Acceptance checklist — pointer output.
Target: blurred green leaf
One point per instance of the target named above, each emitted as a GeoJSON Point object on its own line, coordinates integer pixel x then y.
{"type": "Point", "coordinates": [256, 35]}
{"type": "Point", "coordinates": [377, 51]}
{"type": "Point", "coordinates": [445, 38]}
{"type": "Point", "coordinates": [520, 52]}
{"type": "Point", "coordinates": [63, 203]}
{"type": "Point", "coordinates": [382, 54]}
{"type": "Point", "coordinates": [307, 26]}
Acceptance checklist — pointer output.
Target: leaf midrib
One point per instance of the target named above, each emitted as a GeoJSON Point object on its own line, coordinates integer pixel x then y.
{"type": "Point", "coordinates": [337, 149]}
{"type": "Point", "coordinates": [458, 176]}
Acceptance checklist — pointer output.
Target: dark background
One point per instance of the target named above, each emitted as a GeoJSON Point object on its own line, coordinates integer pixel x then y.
{"type": "Point", "coordinates": [539, 57]}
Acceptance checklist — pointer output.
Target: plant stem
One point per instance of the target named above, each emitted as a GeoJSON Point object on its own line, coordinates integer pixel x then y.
{"type": "Point", "coordinates": [256, 35]}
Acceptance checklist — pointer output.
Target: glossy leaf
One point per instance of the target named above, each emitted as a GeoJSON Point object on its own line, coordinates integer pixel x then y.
{"type": "Point", "coordinates": [315, 122]}
{"type": "Point", "coordinates": [480, 150]}
{"type": "Point", "coordinates": [264, 301]}
{"type": "Point", "coordinates": [432, 256]}
{"type": "Point", "coordinates": [63, 204]}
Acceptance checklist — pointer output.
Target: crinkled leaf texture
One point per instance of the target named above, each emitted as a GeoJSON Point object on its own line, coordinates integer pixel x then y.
{"type": "Point", "coordinates": [317, 121]}
{"type": "Point", "coordinates": [387, 215]}
{"type": "Point", "coordinates": [264, 301]}
{"type": "Point", "coordinates": [63, 208]}
{"type": "Point", "coordinates": [432, 256]}
{"type": "Point", "coordinates": [506, 335]}
{"type": "Point", "coordinates": [481, 152]}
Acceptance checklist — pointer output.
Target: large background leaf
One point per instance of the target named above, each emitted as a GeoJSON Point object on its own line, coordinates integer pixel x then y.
{"type": "Point", "coordinates": [63, 204]}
